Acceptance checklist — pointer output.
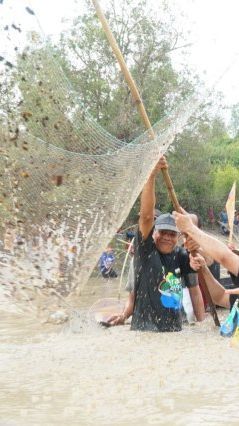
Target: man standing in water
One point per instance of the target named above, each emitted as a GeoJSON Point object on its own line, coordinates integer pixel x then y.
{"type": "Point", "coordinates": [160, 265]}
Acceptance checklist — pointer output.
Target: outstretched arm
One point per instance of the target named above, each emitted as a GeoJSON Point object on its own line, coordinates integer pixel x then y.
{"type": "Point", "coordinates": [232, 291]}
{"type": "Point", "coordinates": [146, 219]}
{"type": "Point", "coordinates": [216, 290]}
{"type": "Point", "coordinates": [213, 247]}
{"type": "Point", "coordinates": [127, 312]}
{"type": "Point", "coordinates": [197, 302]}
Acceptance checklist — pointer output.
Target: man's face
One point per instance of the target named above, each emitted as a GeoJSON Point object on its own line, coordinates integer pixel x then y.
{"type": "Point", "coordinates": [165, 241]}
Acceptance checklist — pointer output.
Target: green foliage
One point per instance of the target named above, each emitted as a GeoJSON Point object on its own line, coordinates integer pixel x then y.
{"type": "Point", "coordinates": [190, 171]}
{"type": "Point", "coordinates": [146, 44]}
{"type": "Point", "coordinates": [203, 166]}
{"type": "Point", "coordinates": [223, 177]}
{"type": "Point", "coordinates": [224, 151]}
{"type": "Point", "coordinates": [234, 125]}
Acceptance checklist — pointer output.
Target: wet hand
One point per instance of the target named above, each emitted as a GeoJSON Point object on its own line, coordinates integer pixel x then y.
{"type": "Point", "coordinates": [116, 319]}
{"type": "Point", "coordinates": [162, 164]}
{"type": "Point", "coordinates": [183, 220]}
{"type": "Point", "coordinates": [191, 245]}
{"type": "Point", "coordinates": [197, 262]}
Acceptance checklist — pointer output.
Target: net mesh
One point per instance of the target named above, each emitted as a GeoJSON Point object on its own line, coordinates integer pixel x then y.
{"type": "Point", "coordinates": [66, 184]}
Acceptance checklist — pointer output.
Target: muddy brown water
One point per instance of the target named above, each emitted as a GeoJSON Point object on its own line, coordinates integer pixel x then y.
{"type": "Point", "coordinates": [81, 374]}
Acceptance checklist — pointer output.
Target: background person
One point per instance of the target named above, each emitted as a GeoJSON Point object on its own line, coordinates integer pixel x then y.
{"type": "Point", "coordinates": [224, 222]}
{"type": "Point", "coordinates": [107, 259]}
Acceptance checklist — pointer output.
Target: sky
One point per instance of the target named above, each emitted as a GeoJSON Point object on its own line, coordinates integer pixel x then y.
{"type": "Point", "coordinates": [215, 50]}
{"type": "Point", "coordinates": [213, 33]}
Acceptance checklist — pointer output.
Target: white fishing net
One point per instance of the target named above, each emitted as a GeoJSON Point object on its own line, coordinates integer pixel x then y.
{"type": "Point", "coordinates": [66, 184]}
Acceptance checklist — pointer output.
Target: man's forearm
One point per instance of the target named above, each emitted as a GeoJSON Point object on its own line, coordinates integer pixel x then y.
{"type": "Point", "coordinates": [197, 303]}
{"type": "Point", "coordinates": [215, 289]}
{"type": "Point", "coordinates": [148, 199]}
{"type": "Point", "coordinates": [215, 248]}
{"type": "Point", "coordinates": [129, 306]}
{"type": "Point", "coordinates": [147, 203]}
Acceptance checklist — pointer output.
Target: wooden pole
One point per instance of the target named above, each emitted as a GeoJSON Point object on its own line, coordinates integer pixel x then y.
{"type": "Point", "coordinates": [209, 300]}
{"type": "Point", "coordinates": [140, 106]}
{"type": "Point", "coordinates": [135, 94]}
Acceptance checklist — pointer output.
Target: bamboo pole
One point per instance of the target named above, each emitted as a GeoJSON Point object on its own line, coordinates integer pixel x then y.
{"type": "Point", "coordinates": [135, 94]}
{"type": "Point", "coordinates": [140, 106]}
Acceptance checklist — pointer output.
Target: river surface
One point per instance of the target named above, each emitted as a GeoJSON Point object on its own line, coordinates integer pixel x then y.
{"type": "Point", "coordinates": [79, 373]}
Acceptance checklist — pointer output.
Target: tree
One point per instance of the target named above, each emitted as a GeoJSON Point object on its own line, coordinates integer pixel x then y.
{"type": "Point", "coordinates": [234, 124]}
{"type": "Point", "coordinates": [224, 176]}
{"type": "Point", "coordinates": [194, 166]}
{"type": "Point", "coordinates": [146, 44]}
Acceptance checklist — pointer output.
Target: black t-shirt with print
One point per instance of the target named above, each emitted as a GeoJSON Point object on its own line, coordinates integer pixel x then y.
{"type": "Point", "coordinates": [158, 286]}
{"type": "Point", "coordinates": [234, 297]}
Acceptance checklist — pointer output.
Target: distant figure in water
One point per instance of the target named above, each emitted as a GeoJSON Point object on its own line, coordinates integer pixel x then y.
{"type": "Point", "coordinates": [106, 262]}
